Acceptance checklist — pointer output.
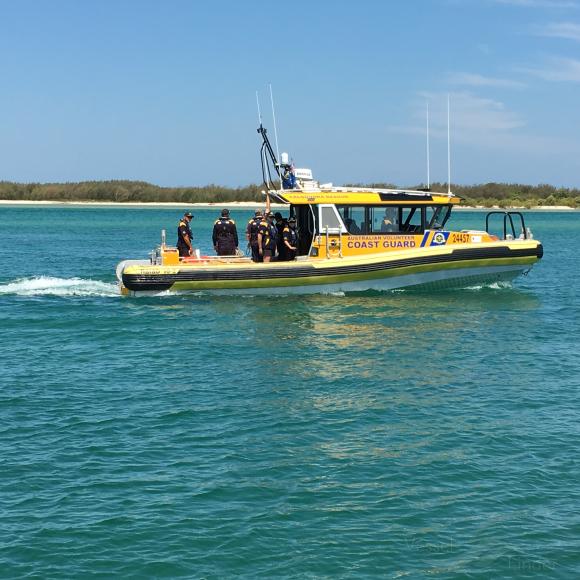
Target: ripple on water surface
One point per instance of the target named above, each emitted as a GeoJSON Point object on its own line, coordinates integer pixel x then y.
{"type": "Point", "coordinates": [397, 435]}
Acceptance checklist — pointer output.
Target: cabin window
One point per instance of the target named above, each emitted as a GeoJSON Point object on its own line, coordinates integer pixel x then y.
{"type": "Point", "coordinates": [387, 219]}
{"type": "Point", "coordinates": [330, 218]}
{"type": "Point", "coordinates": [384, 220]}
{"type": "Point", "coordinates": [354, 218]}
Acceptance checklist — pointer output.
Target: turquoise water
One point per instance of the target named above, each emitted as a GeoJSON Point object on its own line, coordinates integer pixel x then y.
{"type": "Point", "coordinates": [387, 435]}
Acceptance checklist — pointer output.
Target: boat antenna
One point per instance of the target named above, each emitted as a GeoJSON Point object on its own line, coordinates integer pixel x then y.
{"type": "Point", "coordinates": [259, 112]}
{"type": "Point", "coordinates": [275, 128]}
{"type": "Point", "coordinates": [428, 152]}
{"type": "Point", "coordinates": [448, 149]}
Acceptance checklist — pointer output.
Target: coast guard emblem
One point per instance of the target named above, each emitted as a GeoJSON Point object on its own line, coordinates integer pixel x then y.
{"type": "Point", "coordinates": [439, 238]}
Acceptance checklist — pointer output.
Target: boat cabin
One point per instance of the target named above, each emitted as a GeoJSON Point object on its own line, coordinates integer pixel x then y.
{"type": "Point", "coordinates": [337, 222]}
{"type": "Point", "coordinates": [349, 221]}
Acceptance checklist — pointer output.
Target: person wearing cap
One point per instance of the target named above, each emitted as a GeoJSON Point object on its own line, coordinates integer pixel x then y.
{"type": "Point", "coordinates": [252, 235]}
{"type": "Point", "coordinates": [267, 237]}
{"type": "Point", "coordinates": [280, 246]}
{"type": "Point", "coordinates": [225, 235]}
{"type": "Point", "coordinates": [184, 235]}
{"type": "Point", "coordinates": [290, 237]}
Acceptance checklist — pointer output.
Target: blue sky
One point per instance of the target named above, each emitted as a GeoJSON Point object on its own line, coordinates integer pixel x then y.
{"type": "Point", "coordinates": [165, 91]}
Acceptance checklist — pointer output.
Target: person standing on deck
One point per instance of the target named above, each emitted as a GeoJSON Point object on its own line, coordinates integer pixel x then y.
{"type": "Point", "coordinates": [280, 246]}
{"type": "Point", "coordinates": [184, 235]}
{"type": "Point", "coordinates": [252, 235]}
{"type": "Point", "coordinates": [290, 237]}
{"type": "Point", "coordinates": [267, 237]}
{"type": "Point", "coordinates": [288, 177]}
{"type": "Point", "coordinates": [225, 235]}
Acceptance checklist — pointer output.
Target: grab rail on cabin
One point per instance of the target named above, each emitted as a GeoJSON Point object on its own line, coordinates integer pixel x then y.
{"type": "Point", "coordinates": [507, 215]}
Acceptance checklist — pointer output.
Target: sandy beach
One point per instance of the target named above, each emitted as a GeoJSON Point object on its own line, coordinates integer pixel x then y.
{"type": "Point", "coordinates": [517, 207]}
{"type": "Point", "coordinates": [234, 204]}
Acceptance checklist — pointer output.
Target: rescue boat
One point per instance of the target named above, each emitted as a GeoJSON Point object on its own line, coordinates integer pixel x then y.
{"type": "Point", "coordinates": [351, 240]}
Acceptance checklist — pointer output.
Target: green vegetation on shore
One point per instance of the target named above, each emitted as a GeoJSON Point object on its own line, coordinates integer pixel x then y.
{"type": "Point", "coordinates": [487, 195]}
{"type": "Point", "coordinates": [506, 194]}
{"type": "Point", "coordinates": [126, 191]}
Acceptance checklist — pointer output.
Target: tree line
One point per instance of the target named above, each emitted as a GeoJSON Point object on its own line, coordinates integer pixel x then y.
{"type": "Point", "coordinates": [126, 191]}
{"type": "Point", "coordinates": [487, 194]}
{"type": "Point", "coordinates": [502, 194]}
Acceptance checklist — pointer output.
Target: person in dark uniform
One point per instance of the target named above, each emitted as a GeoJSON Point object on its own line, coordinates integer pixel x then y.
{"type": "Point", "coordinates": [225, 235]}
{"type": "Point", "coordinates": [290, 237]}
{"type": "Point", "coordinates": [184, 235]}
{"type": "Point", "coordinates": [288, 177]}
{"type": "Point", "coordinates": [280, 246]}
{"type": "Point", "coordinates": [267, 237]}
{"type": "Point", "coordinates": [252, 235]}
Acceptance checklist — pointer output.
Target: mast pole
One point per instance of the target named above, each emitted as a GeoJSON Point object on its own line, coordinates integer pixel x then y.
{"type": "Point", "coordinates": [275, 133]}
{"type": "Point", "coordinates": [428, 152]}
{"type": "Point", "coordinates": [448, 148]}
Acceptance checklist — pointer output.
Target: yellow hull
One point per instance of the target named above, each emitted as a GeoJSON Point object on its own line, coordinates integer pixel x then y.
{"type": "Point", "coordinates": [444, 265]}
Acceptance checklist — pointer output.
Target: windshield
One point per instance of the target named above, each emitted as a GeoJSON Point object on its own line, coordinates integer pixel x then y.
{"type": "Point", "coordinates": [437, 216]}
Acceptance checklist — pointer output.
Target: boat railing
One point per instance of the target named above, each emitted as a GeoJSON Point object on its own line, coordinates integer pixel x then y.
{"type": "Point", "coordinates": [203, 258]}
{"type": "Point", "coordinates": [508, 219]}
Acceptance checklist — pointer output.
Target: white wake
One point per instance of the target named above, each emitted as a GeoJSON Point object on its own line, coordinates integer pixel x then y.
{"type": "Point", "coordinates": [49, 286]}
{"type": "Point", "coordinates": [490, 286]}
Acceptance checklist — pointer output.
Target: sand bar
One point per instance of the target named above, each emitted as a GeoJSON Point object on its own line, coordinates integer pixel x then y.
{"type": "Point", "coordinates": [169, 204]}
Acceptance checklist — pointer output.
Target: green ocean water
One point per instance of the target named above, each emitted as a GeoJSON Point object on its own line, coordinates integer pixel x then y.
{"type": "Point", "coordinates": [393, 435]}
